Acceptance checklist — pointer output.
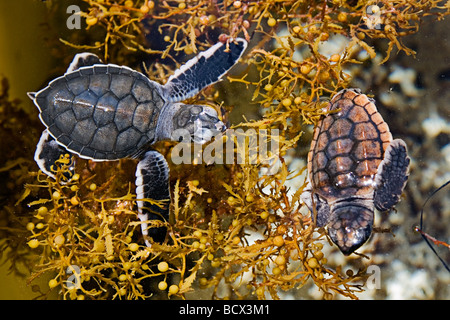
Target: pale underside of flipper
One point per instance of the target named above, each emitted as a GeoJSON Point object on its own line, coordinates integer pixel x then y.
{"type": "Point", "coordinates": [101, 112]}
{"type": "Point", "coordinates": [203, 70]}
{"type": "Point", "coordinates": [152, 182]}
{"type": "Point", "coordinates": [47, 155]}
{"type": "Point", "coordinates": [84, 59]}
{"type": "Point", "coordinates": [48, 151]}
{"type": "Point", "coordinates": [84, 118]}
{"type": "Point", "coordinates": [319, 208]}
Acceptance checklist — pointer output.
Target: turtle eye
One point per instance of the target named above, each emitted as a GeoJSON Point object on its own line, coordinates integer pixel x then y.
{"type": "Point", "coordinates": [183, 118]}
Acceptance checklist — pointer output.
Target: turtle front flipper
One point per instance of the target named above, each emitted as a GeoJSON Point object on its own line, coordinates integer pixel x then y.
{"type": "Point", "coordinates": [152, 182]}
{"type": "Point", "coordinates": [50, 156]}
{"type": "Point", "coordinates": [392, 175]}
{"type": "Point", "coordinates": [203, 70]}
{"type": "Point", "coordinates": [83, 60]}
{"type": "Point", "coordinates": [312, 200]}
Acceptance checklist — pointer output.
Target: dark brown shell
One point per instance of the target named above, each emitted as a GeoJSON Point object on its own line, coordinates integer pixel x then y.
{"type": "Point", "coordinates": [348, 146]}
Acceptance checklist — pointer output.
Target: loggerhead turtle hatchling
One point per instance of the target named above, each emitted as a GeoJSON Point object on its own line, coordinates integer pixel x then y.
{"type": "Point", "coordinates": [354, 166]}
{"type": "Point", "coordinates": [108, 112]}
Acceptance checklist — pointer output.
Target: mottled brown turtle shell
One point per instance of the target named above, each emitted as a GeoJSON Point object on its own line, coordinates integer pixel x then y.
{"type": "Point", "coordinates": [348, 146]}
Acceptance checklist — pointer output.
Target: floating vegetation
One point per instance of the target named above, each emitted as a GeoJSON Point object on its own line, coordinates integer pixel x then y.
{"type": "Point", "coordinates": [236, 230]}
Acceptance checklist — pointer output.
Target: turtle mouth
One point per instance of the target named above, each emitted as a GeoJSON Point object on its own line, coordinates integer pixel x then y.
{"type": "Point", "coordinates": [206, 126]}
{"type": "Point", "coordinates": [204, 132]}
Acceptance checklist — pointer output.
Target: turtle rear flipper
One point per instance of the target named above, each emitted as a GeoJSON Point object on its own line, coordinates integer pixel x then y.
{"type": "Point", "coordinates": [84, 59]}
{"type": "Point", "coordinates": [49, 155]}
{"type": "Point", "coordinates": [152, 182]}
{"type": "Point", "coordinates": [392, 175]}
{"type": "Point", "coordinates": [203, 70]}
{"type": "Point", "coordinates": [100, 112]}
{"type": "Point", "coordinates": [312, 200]}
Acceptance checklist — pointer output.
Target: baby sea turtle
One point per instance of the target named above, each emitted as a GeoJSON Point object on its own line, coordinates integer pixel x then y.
{"type": "Point", "coordinates": [354, 166]}
{"type": "Point", "coordinates": [108, 112]}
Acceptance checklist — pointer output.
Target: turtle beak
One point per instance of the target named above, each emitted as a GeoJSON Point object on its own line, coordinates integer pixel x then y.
{"type": "Point", "coordinates": [204, 134]}
{"type": "Point", "coordinates": [220, 126]}
{"type": "Point", "coordinates": [207, 126]}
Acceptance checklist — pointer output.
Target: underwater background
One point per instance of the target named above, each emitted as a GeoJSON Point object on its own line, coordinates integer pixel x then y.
{"type": "Point", "coordinates": [232, 236]}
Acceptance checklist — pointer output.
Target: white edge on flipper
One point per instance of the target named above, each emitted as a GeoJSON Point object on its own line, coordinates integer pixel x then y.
{"type": "Point", "coordinates": [84, 55]}
{"type": "Point", "coordinates": [206, 54]}
{"type": "Point", "coordinates": [34, 95]}
{"type": "Point", "coordinates": [40, 162]}
{"type": "Point", "coordinates": [306, 196]}
{"type": "Point", "coordinates": [143, 217]}
{"type": "Point", "coordinates": [140, 195]}
{"type": "Point", "coordinates": [51, 144]}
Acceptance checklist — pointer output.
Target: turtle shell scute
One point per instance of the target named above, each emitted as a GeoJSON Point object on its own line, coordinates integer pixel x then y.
{"type": "Point", "coordinates": [348, 146]}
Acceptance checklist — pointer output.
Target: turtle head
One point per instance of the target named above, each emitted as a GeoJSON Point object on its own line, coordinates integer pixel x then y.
{"type": "Point", "coordinates": [350, 226]}
{"type": "Point", "coordinates": [189, 123]}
